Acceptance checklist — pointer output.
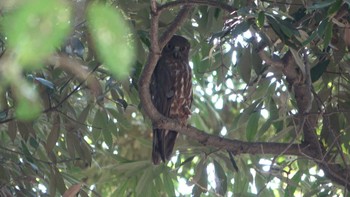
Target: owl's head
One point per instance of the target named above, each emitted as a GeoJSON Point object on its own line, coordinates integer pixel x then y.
{"type": "Point", "coordinates": [178, 47]}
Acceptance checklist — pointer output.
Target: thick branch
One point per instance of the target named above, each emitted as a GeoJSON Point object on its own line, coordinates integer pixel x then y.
{"type": "Point", "coordinates": [302, 93]}
{"type": "Point", "coordinates": [236, 146]}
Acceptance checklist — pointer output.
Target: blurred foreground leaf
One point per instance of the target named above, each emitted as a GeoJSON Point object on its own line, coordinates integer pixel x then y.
{"type": "Point", "coordinates": [112, 38]}
{"type": "Point", "coordinates": [36, 28]}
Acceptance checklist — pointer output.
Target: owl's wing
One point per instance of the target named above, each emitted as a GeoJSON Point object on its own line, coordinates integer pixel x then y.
{"type": "Point", "coordinates": [162, 92]}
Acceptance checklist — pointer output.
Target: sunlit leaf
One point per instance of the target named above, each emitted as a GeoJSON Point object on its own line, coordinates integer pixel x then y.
{"type": "Point", "coordinates": [291, 188]}
{"type": "Point", "coordinates": [261, 19]}
{"type": "Point", "coordinates": [28, 107]}
{"type": "Point", "coordinates": [252, 126]}
{"type": "Point", "coordinates": [200, 179]}
{"type": "Point", "coordinates": [168, 184]}
{"type": "Point", "coordinates": [328, 35]}
{"type": "Point", "coordinates": [113, 40]}
{"type": "Point", "coordinates": [220, 179]}
{"type": "Point", "coordinates": [36, 28]}
{"type": "Point", "coordinates": [334, 7]}
{"type": "Point", "coordinates": [142, 187]}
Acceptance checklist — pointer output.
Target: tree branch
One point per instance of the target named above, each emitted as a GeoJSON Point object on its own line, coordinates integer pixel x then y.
{"type": "Point", "coordinates": [302, 92]}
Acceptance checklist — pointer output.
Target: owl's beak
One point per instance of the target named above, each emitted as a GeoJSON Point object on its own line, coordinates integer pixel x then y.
{"type": "Point", "coordinates": [176, 52]}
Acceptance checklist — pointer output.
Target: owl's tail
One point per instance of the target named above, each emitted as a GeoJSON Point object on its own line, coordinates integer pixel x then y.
{"type": "Point", "coordinates": [163, 145]}
{"type": "Point", "coordinates": [158, 146]}
{"type": "Point", "coordinates": [170, 139]}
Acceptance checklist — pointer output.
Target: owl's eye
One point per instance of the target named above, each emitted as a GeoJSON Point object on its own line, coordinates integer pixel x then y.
{"type": "Point", "coordinates": [169, 46]}
{"type": "Point", "coordinates": [182, 48]}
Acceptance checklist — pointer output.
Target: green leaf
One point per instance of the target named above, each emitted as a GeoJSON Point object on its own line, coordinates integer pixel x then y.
{"type": "Point", "coordinates": [276, 27]}
{"type": "Point", "coordinates": [294, 183]}
{"type": "Point", "coordinates": [28, 106]}
{"type": "Point", "coordinates": [168, 184]}
{"type": "Point", "coordinates": [334, 7]}
{"type": "Point", "coordinates": [33, 143]}
{"type": "Point", "coordinates": [12, 130]}
{"type": "Point", "coordinates": [112, 38]}
{"type": "Point", "coordinates": [26, 152]}
{"type": "Point", "coordinates": [328, 35]}
{"type": "Point", "coordinates": [52, 138]}
{"type": "Point", "coordinates": [200, 179]}
{"type": "Point", "coordinates": [320, 5]}
{"type": "Point", "coordinates": [143, 188]}
{"type": "Point", "coordinates": [52, 183]}
{"type": "Point", "coordinates": [70, 143]}
{"type": "Point", "coordinates": [274, 115]}
{"type": "Point", "coordinates": [240, 28]}
{"type": "Point", "coordinates": [36, 28]}
{"type": "Point", "coordinates": [244, 65]}
{"type": "Point", "coordinates": [248, 111]}
{"type": "Point", "coordinates": [60, 185]}
{"type": "Point", "coordinates": [261, 19]}
{"type": "Point", "coordinates": [232, 160]}
{"type": "Point", "coordinates": [252, 126]}
{"type": "Point", "coordinates": [221, 179]}
{"type": "Point", "coordinates": [317, 71]}
{"type": "Point", "coordinates": [322, 27]}
{"type": "Point", "coordinates": [25, 129]}
{"type": "Point", "coordinates": [107, 133]}
{"type": "Point", "coordinates": [99, 124]}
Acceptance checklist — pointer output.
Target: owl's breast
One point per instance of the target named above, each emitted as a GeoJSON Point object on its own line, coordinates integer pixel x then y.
{"type": "Point", "coordinates": [181, 103]}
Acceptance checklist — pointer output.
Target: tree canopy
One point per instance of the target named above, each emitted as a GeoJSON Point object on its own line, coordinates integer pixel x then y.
{"type": "Point", "coordinates": [271, 107]}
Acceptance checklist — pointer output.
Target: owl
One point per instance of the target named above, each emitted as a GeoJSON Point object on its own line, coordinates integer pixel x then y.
{"type": "Point", "coordinates": [171, 92]}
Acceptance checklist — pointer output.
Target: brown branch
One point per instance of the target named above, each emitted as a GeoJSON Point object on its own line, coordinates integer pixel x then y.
{"type": "Point", "coordinates": [302, 93]}
{"type": "Point", "coordinates": [236, 146]}
{"type": "Point", "coordinates": [146, 74]}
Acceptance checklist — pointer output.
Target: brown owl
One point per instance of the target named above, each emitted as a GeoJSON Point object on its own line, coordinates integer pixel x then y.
{"type": "Point", "coordinates": [171, 91]}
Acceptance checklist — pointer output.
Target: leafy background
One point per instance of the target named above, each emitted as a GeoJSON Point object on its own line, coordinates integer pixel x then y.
{"type": "Point", "coordinates": [71, 121]}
